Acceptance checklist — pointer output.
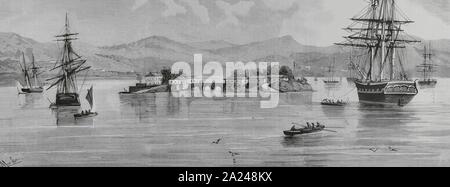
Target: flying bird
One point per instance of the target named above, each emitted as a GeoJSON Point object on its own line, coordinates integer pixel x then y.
{"type": "Point", "coordinates": [217, 141]}
{"type": "Point", "coordinates": [233, 154]}
{"type": "Point", "coordinates": [374, 149]}
{"type": "Point", "coordinates": [393, 149]}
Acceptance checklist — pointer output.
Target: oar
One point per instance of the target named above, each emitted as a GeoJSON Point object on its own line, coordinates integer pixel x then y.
{"type": "Point", "coordinates": [330, 130]}
{"type": "Point", "coordinates": [335, 127]}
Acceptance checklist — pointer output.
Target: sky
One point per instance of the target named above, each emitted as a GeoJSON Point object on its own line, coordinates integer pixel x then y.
{"type": "Point", "coordinates": [111, 22]}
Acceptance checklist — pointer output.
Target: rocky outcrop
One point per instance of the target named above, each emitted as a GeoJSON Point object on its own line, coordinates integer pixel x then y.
{"type": "Point", "coordinates": [288, 83]}
{"type": "Point", "coordinates": [294, 86]}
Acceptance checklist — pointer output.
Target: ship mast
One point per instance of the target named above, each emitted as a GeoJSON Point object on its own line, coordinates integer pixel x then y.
{"type": "Point", "coordinates": [70, 63]}
{"type": "Point", "coordinates": [35, 72]}
{"type": "Point", "coordinates": [428, 68]}
{"type": "Point", "coordinates": [25, 71]}
{"type": "Point", "coordinates": [379, 31]}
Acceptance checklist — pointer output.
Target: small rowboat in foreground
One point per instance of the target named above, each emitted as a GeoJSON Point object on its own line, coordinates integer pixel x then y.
{"type": "Point", "coordinates": [305, 130]}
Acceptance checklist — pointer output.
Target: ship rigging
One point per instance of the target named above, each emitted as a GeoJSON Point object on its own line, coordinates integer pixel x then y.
{"type": "Point", "coordinates": [69, 65]}
{"type": "Point", "coordinates": [427, 68]}
{"type": "Point", "coordinates": [379, 32]}
{"type": "Point", "coordinates": [31, 77]}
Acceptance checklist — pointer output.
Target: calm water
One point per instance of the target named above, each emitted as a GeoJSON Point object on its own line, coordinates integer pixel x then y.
{"type": "Point", "coordinates": [158, 130]}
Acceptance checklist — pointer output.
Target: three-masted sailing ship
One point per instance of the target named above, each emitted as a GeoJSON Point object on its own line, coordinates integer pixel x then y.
{"type": "Point", "coordinates": [427, 68]}
{"type": "Point", "coordinates": [331, 74]}
{"type": "Point", "coordinates": [379, 32]}
{"type": "Point", "coordinates": [69, 65]}
{"type": "Point", "coordinates": [32, 83]}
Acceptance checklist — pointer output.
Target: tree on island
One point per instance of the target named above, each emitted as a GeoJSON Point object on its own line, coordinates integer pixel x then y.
{"type": "Point", "coordinates": [287, 72]}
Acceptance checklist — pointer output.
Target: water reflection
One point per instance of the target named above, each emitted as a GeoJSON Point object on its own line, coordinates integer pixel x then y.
{"type": "Point", "coordinates": [308, 140]}
{"type": "Point", "coordinates": [424, 86]}
{"type": "Point", "coordinates": [305, 150]}
{"type": "Point", "coordinates": [65, 118]}
{"type": "Point", "coordinates": [382, 125]}
{"type": "Point", "coordinates": [147, 106]}
{"type": "Point", "coordinates": [304, 98]}
{"type": "Point", "coordinates": [333, 111]}
{"type": "Point", "coordinates": [385, 116]}
{"type": "Point", "coordinates": [27, 101]}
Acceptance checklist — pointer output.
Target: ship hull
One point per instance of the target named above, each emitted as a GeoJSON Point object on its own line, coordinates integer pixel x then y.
{"type": "Point", "coordinates": [425, 83]}
{"type": "Point", "coordinates": [67, 99]}
{"type": "Point", "coordinates": [32, 90]}
{"type": "Point", "coordinates": [398, 93]}
{"type": "Point", "coordinates": [331, 82]}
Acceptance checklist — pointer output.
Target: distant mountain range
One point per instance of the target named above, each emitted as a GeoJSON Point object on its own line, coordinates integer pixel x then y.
{"type": "Point", "coordinates": [156, 52]}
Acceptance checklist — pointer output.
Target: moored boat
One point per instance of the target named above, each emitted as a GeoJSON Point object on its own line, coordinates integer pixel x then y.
{"type": "Point", "coordinates": [328, 102]}
{"type": "Point", "coordinates": [398, 93]}
{"type": "Point", "coordinates": [69, 66]}
{"type": "Point", "coordinates": [378, 33]}
{"type": "Point", "coordinates": [331, 71]}
{"type": "Point", "coordinates": [427, 69]}
{"type": "Point", "coordinates": [32, 83]}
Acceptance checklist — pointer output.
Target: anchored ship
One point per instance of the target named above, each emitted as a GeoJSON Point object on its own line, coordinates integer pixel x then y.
{"type": "Point", "coordinates": [427, 68]}
{"type": "Point", "coordinates": [69, 65]}
{"type": "Point", "coordinates": [331, 71]}
{"type": "Point", "coordinates": [31, 77]}
{"type": "Point", "coordinates": [378, 32]}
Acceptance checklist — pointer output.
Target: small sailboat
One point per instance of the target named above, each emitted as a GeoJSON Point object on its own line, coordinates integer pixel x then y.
{"type": "Point", "coordinates": [32, 83]}
{"type": "Point", "coordinates": [89, 113]}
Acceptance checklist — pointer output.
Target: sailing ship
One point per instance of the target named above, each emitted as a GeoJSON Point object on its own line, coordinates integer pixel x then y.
{"type": "Point", "coordinates": [427, 68]}
{"type": "Point", "coordinates": [89, 113]}
{"type": "Point", "coordinates": [30, 75]}
{"type": "Point", "coordinates": [331, 71]}
{"type": "Point", "coordinates": [69, 65]}
{"type": "Point", "coordinates": [379, 33]}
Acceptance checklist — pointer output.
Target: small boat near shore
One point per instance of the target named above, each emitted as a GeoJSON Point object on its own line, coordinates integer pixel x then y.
{"type": "Point", "coordinates": [328, 102]}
